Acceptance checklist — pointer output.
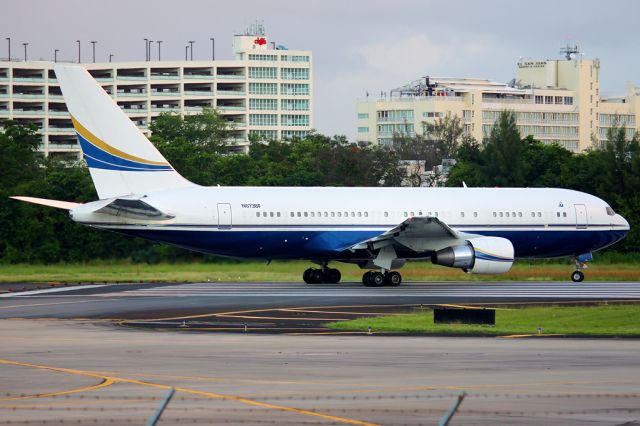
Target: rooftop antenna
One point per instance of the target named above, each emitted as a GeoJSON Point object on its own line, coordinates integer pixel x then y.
{"type": "Point", "coordinates": [569, 50]}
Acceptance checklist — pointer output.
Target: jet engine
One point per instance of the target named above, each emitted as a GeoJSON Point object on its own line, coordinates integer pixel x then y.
{"type": "Point", "coordinates": [482, 255]}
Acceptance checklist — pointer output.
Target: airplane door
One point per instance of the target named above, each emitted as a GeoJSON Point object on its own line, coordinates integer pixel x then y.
{"type": "Point", "coordinates": [224, 216]}
{"type": "Point", "coordinates": [581, 216]}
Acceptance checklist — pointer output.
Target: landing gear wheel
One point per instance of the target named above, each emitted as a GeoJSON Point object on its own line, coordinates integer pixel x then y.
{"type": "Point", "coordinates": [393, 278]}
{"type": "Point", "coordinates": [306, 276]}
{"type": "Point", "coordinates": [316, 276]}
{"type": "Point", "coordinates": [376, 279]}
{"type": "Point", "coordinates": [577, 276]}
{"type": "Point", "coordinates": [365, 278]}
{"type": "Point", "coordinates": [332, 276]}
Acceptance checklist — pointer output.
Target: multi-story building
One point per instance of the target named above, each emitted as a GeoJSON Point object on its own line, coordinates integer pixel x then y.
{"type": "Point", "coordinates": [264, 92]}
{"type": "Point", "coordinates": [554, 101]}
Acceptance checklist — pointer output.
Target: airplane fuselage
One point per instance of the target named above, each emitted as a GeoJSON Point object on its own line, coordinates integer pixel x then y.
{"type": "Point", "coordinates": [324, 222]}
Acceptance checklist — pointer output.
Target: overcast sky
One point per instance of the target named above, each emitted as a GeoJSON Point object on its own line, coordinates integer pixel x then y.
{"type": "Point", "coordinates": [358, 45]}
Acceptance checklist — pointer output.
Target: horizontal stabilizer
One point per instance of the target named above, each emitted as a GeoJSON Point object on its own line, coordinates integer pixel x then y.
{"type": "Point", "coordinates": [65, 205]}
{"type": "Point", "coordinates": [134, 209]}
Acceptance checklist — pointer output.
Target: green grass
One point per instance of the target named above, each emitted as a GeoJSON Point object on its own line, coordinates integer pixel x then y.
{"type": "Point", "coordinates": [121, 271]}
{"type": "Point", "coordinates": [605, 320]}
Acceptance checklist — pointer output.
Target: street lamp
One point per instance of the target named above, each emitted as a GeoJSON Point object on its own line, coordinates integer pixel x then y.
{"type": "Point", "coordinates": [213, 49]}
{"type": "Point", "coordinates": [149, 48]}
{"type": "Point", "coordinates": [9, 41]}
{"type": "Point", "coordinates": [78, 41]}
{"type": "Point", "coordinates": [186, 53]}
{"type": "Point", "coordinates": [191, 44]}
{"type": "Point", "coordinates": [159, 43]}
{"type": "Point", "coordinates": [146, 49]}
{"type": "Point", "coordinates": [55, 55]}
{"type": "Point", "coordinates": [110, 56]}
{"type": "Point", "coordinates": [93, 43]}
{"type": "Point", "coordinates": [25, 51]}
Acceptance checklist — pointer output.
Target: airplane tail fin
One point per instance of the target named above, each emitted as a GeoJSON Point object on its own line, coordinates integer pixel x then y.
{"type": "Point", "coordinates": [121, 159]}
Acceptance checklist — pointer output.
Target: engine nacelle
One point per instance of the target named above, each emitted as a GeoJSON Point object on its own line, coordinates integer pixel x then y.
{"type": "Point", "coordinates": [482, 255]}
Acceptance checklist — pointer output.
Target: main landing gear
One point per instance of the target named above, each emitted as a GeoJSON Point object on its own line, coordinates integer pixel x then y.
{"type": "Point", "coordinates": [324, 275]}
{"type": "Point", "coordinates": [379, 279]}
{"type": "Point", "coordinates": [581, 263]}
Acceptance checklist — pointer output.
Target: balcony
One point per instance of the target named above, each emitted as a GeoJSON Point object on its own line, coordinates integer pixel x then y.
{"type": "Point", "coordinates": [28, 95]}
{"type": "Point", "coordinates": [104, 79]}
{"type": "Point", "coordinates": [61, 130]}
{"type": "Point", "coordinates": [231, 92]}
{"type": "Point", "coordinates": [165, 109]}
{"type": "Point", "coordinates": [165, 77]}
{"type": "Point", "coordinates": [64, 146]}
{"type": "Point", "coordinates": [131, 95]}
{"type": "Point", "coordinates": [59, 113]}
{"type": "Point", "coordinates": [198, 77]}
{"type": "Point", "coordinates": [55, 96]}
{"type": "Point", "coordinates": [174, 94]}
{"type": "Point", "coordinates": [135, 111]}
{"type": "Point", "coordinates": [4, 112]}
{"type": "Point", "coordinates": [132, 78]}
{"type": "Point", "coordinates": [231, 108]}
{"type": "Point", "coordinates": [230, 77]}
{"type": "Point", "coordinates": [28, 112]}
{"type": "Point", "coordinates": [28, 79]}
{"type": "Point", "coordinates": [198, 93]}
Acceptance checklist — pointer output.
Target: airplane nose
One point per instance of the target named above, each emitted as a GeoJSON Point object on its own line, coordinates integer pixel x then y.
{"type": "Point", "coordinates": [623, 222]}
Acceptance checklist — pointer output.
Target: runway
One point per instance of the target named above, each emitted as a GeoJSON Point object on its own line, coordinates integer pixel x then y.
{"type": "Point", "coordinates": [136, 301]}
{"type": "Point", "coordinates": [107, 354]}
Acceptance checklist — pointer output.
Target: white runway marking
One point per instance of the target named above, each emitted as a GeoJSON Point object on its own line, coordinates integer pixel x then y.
{"type": "Point", "coordinates": [629, 290]}
{"type": "Point", "coordinates": [51, 290]}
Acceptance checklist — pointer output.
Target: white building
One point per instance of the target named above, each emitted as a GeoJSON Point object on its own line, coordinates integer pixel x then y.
{"type": "Point", "coordinates": [265, 91]}
{"type": "Point", "coordinates": [554, 101]}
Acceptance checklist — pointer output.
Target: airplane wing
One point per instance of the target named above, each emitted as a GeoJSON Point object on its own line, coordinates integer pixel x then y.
{"type": "Point", "coordinates": [418, 234]}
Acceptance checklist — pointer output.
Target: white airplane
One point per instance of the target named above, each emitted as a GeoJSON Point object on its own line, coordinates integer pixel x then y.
{"type": "Point", "coordinates": [478, 230]}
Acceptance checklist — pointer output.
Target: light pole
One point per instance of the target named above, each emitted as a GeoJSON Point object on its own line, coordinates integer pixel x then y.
{"type": "Point", "coordinates": [213, 49]}
{"type": "Point", "coordinates": [9, 42]}
{"type": "Point", "coordinates": [146, 49]}
{"type": "Point", "coordinates": [25, 51]}
{"type": "Point", "coordinates": [110, 56]}
{"type": "Point", "coordinates": [149, 48]}
{"type": "Point", "coordinates": [55, 55]}
{"type": "Point", "coordinates": [78, 41]}
{"type": "Point", "coordinates": [159, 43]}
{"type": "Point", "coordinates": [93, 43]}
{"type": "Point", "coordinates": [191, 52]}
{"type": "Point", "coordinates": [186, 53]}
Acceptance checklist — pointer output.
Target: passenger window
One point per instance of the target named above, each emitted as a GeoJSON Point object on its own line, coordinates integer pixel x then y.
{"type": "Point", "coordinates": [412, 214]}
{"type": "Point", "coordinates": [346, 214]}
{"type": "Point", "coordinates": [461, 214]}
{"type": "Point", "coordinates": [326, 214]}
{"type": "Point", "coordinates": [564, 214]}
{"type": "Point", "coordinates": [533, 214]}
{"type": "Point", "coordinates": [292, 214]}
{"type": "Point", "coordinates": [386, 214]}
{"type": "Point", "coordinates": [333, 214]}
{"type": "Point", "coordinates": [339, 214]}
{"type": "Point", "coordinates": [406, 214]}
{"type": "Point", "coordinates": [271, 214]}
{"type": "Point", "coordinates": [264, 214]}
{"type": "Point", "coordinates": [513, 214]}
{"type": "Point", "coordinates": [475, 214]}
{"type": "Point", "coordinates": [495, 214]}
{"type": "Point", "coordinates": [539, 214]}
{"type": "Point", "coordinates": [299, 214]}
{"type": "Point", "coordinates": [519, 214]}
{"type": "Point", "coordinates": [278, 214]}
{"type": "Point", "coordinates": [435, 214]}
{"type": "Point", "coordinates": [501, 214]}
{"type": "Point", "coordinates": [353, 214]}
{"type": "Point", "coordinates": [258, 214]}
{"type": "Point", "coordinates": [306, 214]}
{"type": "Point", "coordinates": [558, 214]}
{"type": "Point", "coordinates": [366, 214]}
{"type": "Point", "coordinates": [420, 213]}
{"type": "Point", "coordinates": [359, 214]}
{"type": "Point", "coordinates": [313, 214]}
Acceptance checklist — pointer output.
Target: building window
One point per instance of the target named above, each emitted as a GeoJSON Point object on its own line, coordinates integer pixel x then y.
{"type": "Point", "coordinates": [363, 130]}
{"type": "Point", "coordinates": [363, 116]}
{"type": "Point", "coordinates": [264, 135]}
{"type": "Point", "coordinates": [294, 58]}
{"type": "Point", "coordinates": [253, 57]}
{"type": "Point", "coordinates": [294, 89]}
{"type": "Point", "coordinates": [263, 104]}
{"type": "Point", "coordinates": [263, 72]}
{"type": "Point", "coordinates": [294, 73]}
{"type": "Point", "coordinates": [294, 120]}
{"type": "Point", "coordinates": [293, 134]}
{"type": "Point", "coordinates": [263, 88]}
{"type": "Point", "coordinates": [263, 119]}
{"type": "Point", "coordinates": [294, 104]}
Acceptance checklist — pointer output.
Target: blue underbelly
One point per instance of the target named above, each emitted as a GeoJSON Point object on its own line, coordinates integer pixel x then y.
{"type": "Point", "coordinates": [301, 244]}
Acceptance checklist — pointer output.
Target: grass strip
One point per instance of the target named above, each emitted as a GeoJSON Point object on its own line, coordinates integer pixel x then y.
{"type": "Point", "coordinates": [603, 320]}
{"type": "Point", "coordinates": [123, 271]}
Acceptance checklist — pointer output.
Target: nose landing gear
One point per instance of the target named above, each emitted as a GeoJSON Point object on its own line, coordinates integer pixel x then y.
{"type": "Point", "coordinates": [581, 263]}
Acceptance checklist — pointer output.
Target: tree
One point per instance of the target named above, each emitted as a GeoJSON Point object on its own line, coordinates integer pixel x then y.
{"type": "Point", "coordinates": [447, 132]}
{"type": "Point", "coordinates": [503, 153]}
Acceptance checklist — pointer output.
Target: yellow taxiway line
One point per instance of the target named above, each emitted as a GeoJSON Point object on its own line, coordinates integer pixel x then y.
{"type": "Point", "coordinates": [193, 392]}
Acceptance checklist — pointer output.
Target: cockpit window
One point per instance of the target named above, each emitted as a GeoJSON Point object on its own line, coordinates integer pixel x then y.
{"type": "Point", "coordinates": [610, 211]}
